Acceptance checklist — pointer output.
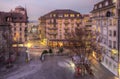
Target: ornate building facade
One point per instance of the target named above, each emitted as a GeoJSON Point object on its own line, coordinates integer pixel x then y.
{"type": "Point", "coordinates": [105, 21]}
{"type": "Point", "coordinates": [56, 25]}
{"type": "Point", "coordinates": [13, 28]}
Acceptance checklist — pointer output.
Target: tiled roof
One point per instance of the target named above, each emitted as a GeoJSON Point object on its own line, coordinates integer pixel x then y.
{"type": "Point", "coordinates": [103, 4]}
{"type": "Point", "coordinates": [13, 17]}
{"type": "Point", "coordinates": [60, 12]}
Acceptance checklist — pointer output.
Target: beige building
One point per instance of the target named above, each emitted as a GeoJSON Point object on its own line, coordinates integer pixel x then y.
{"type": "Point", "coordinates": [56, 25]}
{"type": "Point", "coordinates": [105, 21]}
{"type": "Point", "coordinates": [19, 24]}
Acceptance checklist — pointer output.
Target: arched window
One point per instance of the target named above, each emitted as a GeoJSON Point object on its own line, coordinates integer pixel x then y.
{"type": "Point", "coordinates": [108, 14]}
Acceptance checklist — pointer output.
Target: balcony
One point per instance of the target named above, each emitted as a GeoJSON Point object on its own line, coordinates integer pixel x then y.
{"type": "Point", "coordinates": [66, 22]}
{"type": "Point", "coordinates": [52, 33]}
{"type": "Point", "coordinates": [66, 28]}
{"type": "Point", "coordinates": [52, 28]}
{"type": "Point", "coordinates": [66, 33]}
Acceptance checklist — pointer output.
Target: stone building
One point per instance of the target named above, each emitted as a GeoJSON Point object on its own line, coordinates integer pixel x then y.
{"type": "Point", "coordinates": [13, 29]}
{"type": "Point", "coordinates": [105, 21]}
{"type": "Point", "coordinates": [56, 25]}
{"type": "Point", "coordinates": [19, 24]}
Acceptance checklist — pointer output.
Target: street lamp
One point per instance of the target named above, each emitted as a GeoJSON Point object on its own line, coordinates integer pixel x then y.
{"type": "Point", "coordinates": [28, 45]}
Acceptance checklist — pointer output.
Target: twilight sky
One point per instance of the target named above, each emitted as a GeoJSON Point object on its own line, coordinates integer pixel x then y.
{"type": "Point", "coordinates": [37, 8]}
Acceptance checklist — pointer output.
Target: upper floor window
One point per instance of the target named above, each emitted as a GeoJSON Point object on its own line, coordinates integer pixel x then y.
{"type": "Point", "coordinates": [110, 33]}
{"type": "Point", "coordinates": [20, 29]}
{"type": "Point", "coordinates": [114, 44]}
{"type": "Point", "coordinates": [66, 15]}
{"type": "Point", "coordinates": [14, 29]}
{"type": "Point", "coordinates": [106, 3]}
{"type": "Point", "coordinates": [114, 33]}
{"type": "Point", "coordinates": [60, 15]}
{"type": "Point", "coordinates": [54, 15]}
{"type": "Point", "coordinates": [78, 15]}
{"type": "Point", "coordinates": [100, 5]}
{"type": "Point", "coordinates": [95, 7]}
{"type": "Point", "coordinates": [72, 15]}
{"type": "Point", "coordinates": [110, 43]}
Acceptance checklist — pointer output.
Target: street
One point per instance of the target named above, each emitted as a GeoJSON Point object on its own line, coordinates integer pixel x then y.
{"type": "Point", "coordinates": [54, 67]}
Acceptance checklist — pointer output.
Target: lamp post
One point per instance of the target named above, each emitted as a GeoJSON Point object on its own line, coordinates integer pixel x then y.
{"type": "Point", "coordinates": [27, 52]}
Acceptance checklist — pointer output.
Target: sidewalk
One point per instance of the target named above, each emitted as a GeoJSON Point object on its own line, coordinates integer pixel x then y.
{"type": "Point", "coordinates": [20, 61]}
{"type": "Point", "coordinates": [100, 71]}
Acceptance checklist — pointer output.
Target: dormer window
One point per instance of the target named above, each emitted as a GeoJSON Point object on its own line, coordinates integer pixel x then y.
{"type": "Point", "coordinates": [72, 15]}
{"type": "Point", "coordinates": [78, 15]}
{"type": "Point", "coordinates": [106, 3]}
{"type": "Point", "coordinates": [100, 5]}
{"type": "Point", "coordinates": [95, 7]}
{"type": "Point", "coordinates": [66, 15]}
{"type": "Point", "coordinates": [60, 15]}
{"type": "Point", "coordinates": [54, 15]}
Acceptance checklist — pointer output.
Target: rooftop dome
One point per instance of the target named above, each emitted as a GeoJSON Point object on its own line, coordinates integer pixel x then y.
{"type": "Point", "coordinates": [19, 8]}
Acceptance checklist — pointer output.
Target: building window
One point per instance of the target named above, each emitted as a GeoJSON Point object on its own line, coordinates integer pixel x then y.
{"type": "Point", "coordinates": [14, 29]}
{"type": "Point", "coordinates": [21, 18]}
{"type": "Point", "coordinates": [14, 34]}
{"type": "Point", "coordinates": [20, 39]}
{"type": "Point", "coordinates": [14, 24]}
{"type": "Point", "coordinates": [54, 15]}
{"type": "Point", "coordinates": [72, 15]}
{"type": "Point", "coordinates": [20, 24]}
{"type": "Point", "coordinates": [110, 22]}
{"type": "Point", "coordinates": [60, 15]}
{"type": "Point", "coordinates": [20, 34]}
{"type": "Point", "coordinates": [110, 43]}
{"type": "Point", "coordinates": [78, 15]}
{"type": "Point", "coordinates": [100, 5]}
{"type": "Point", "coordinates": [114, 44]}
{"type": "Point", "coordinates": [106, 3]}
{"type": "Point", "coordinates": [114, 22]}
{"type": "Point", "coordinates": [20, 29]}
{"type": "Point", "coordinates": [110, 33]}
{"type": "Point", "coordinates": [114, 33]}
{"type": "Point", "coordinates": [66, 15]}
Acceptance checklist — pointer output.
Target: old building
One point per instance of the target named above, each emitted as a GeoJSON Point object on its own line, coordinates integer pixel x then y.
{"type": "Point", "coordinates": [19, 24]}
{"type": "Point", "coordinates": [5, 38]}
{"type": "Point", "coordinates": [56, 25]}
{"type": "Point", "coordinates": [13, 28]}
{"type": "Point", "coordinates": [105, 21]}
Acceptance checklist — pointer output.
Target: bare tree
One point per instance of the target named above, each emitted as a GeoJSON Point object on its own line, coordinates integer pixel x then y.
{"type": "Point", "coordinates": [80, 41]}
